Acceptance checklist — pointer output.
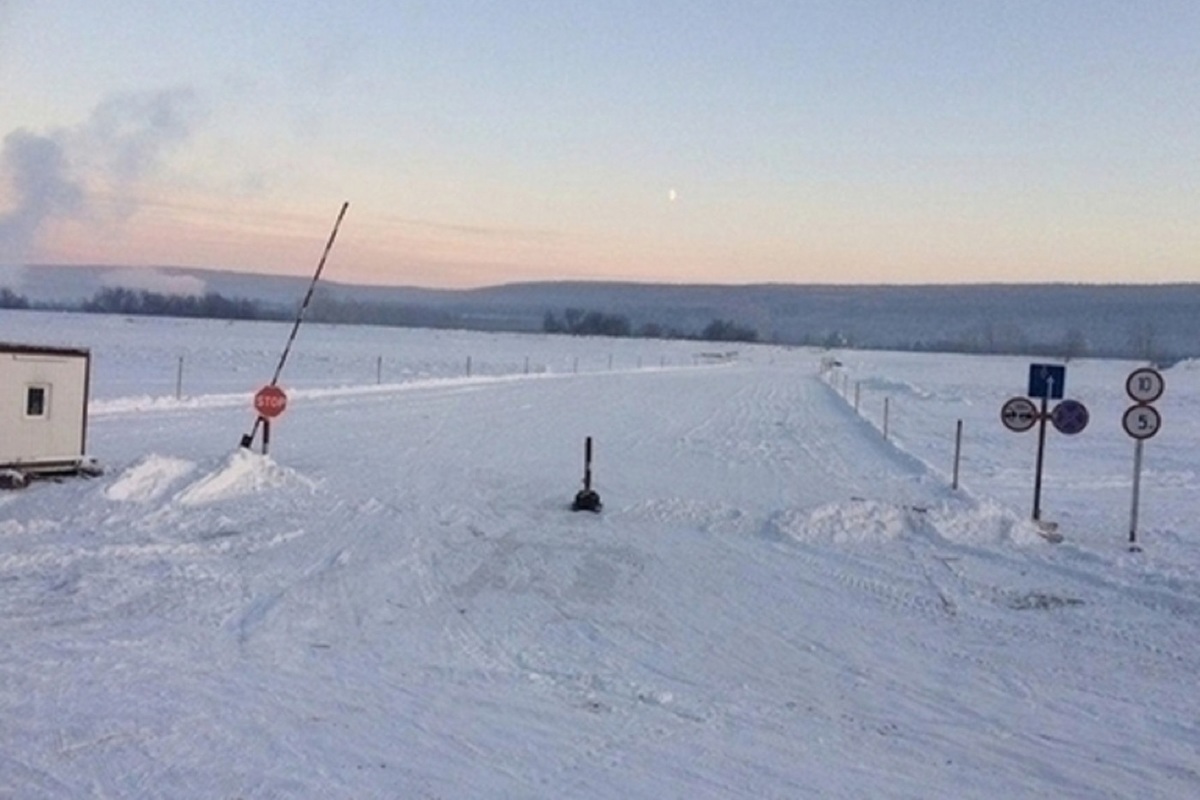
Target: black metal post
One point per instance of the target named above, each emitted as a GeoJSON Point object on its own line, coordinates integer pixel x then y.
{"type": "Point", "coordinates": [587, 463]}
{"type": "Point", "coordinates": [1041, 452]}
{"type": "Point", "coordinates": [957, 450]}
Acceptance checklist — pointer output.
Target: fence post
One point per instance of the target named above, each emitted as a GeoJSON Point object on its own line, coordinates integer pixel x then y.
{"type": "Point", "coordinates": [468, 366]}
{"type": "Point", "coordinates": [179, 380]}
{"type": "Point", "coordinates": [379, 369]}
{"type": "Point", "coordinates": [857, 393]}
{"type": "Point", "coordinates": [957, 451]}
{"type": "Point", "coordinates": [886, 404]}
{"type": "Point", "coordinates": [526, 365]}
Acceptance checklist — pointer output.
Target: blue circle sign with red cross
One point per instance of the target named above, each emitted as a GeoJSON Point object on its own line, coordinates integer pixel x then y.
{"type": "Point", "coordinates": [1069, 417]}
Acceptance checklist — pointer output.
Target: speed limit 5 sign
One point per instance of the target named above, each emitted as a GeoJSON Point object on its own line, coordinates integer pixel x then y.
{"type": "Point", "coordinates": [1141, 421]}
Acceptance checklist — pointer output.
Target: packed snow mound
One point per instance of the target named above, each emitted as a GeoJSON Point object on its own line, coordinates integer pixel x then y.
{"type": "Point", "coordinates": [894, 387]}
{"type": "Point", "coordinates": [243, 473]}
{"type": "Point", "coordinates": [865, 521]}
{"type": "Point", "coordinates": [149, 479]}
{"type": "Point", "coordinates": [989, 523]}
{"type": "Point", "coordinates": [848, 522]}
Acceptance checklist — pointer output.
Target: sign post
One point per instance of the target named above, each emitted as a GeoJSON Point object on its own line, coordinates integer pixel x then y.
{"type": "Point", "coordinates": [1141, 421]}
{"type": "Point", "coordinates": [1041, 457]}
{"type": "Point", "coordinates": [1019, 414]}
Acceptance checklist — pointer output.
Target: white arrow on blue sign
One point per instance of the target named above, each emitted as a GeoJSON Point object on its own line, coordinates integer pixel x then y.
{"type": "Point", "coordinates": [1047, 380]}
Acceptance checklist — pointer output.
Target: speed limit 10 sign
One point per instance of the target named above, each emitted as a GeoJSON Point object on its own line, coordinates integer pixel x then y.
{"type": "Point", "coordinates": [1145, 385]}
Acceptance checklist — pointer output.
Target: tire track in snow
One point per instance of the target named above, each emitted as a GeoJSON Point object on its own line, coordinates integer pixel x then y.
{"type": "Point", "coordinates": [898, 577]}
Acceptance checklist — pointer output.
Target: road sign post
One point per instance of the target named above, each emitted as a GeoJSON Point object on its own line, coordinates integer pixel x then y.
{"type": "Point", "coordinates": [1141, 421]}
{"type": "Point", "coordinates": [1046, 382]}
{"type": "Point", "coordinates": [1041, 455]}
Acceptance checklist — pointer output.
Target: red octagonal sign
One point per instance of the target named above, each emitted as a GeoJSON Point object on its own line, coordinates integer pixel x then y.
{"type": "Point", "coordinates": [270, 401]}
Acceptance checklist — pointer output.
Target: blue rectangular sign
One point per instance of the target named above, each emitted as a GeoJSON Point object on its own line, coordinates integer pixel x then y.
{"type": "Point", "coordinates": [1047, 380]}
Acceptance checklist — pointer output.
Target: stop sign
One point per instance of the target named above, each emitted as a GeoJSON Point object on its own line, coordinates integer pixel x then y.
{"type": "Point", "coordinates": [270, 401]}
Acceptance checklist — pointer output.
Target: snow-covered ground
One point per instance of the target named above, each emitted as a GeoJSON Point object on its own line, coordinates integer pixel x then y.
{"type": "Point", "coordinates": [776, 602]}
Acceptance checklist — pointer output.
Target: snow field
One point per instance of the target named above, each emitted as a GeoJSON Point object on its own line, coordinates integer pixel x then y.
{"type": "Point", "coordinates": [776, 602]}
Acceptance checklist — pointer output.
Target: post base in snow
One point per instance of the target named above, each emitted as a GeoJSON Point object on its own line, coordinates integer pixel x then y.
{"type": "Point", "coordinates": [1048, 531]}
{"type": "Point", "coordinates": [586, 500]}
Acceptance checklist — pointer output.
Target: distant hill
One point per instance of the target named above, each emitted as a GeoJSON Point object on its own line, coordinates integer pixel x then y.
{"type": "Point", "coordinates": [1154, 322]}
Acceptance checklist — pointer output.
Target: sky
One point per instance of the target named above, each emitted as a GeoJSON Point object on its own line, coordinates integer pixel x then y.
{"type": "Point", "coordinates": [478, 143]}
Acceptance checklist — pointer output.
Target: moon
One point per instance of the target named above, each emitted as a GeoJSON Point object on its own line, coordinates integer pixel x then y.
{"type": "Point", "coordinates": [672, 195]}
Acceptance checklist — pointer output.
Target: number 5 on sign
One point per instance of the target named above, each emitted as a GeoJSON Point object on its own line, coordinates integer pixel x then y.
{"type": "Point", "coordinates": [1141, 422]}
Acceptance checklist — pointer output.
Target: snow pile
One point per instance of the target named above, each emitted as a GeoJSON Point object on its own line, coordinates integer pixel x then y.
{"type": "Point", "coordinates": [243, 473]}
{"type": "Point", "coordinates": [149, 479]}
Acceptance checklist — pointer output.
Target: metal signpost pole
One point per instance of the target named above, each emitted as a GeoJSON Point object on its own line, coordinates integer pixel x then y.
{"type": "Point", "coordinates": [957, 451]}
{"type": "Point", "coordinates": [1141, 421]}
{"type": "Point", "coordinates": [1041, 452]}
{"type": "Point", "coordinates": [1137, 485]}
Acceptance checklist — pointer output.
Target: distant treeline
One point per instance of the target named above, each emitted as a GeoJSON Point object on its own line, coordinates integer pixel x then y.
{"type": "Point", "coordinates": [132, 303]}
{"type": "Point", "coordinates": [10, 299]}
{"type": "Point", "coordinates": [1142, 342]}
{"type": "Point", "coordinates": [153, 304]}
{"type": "Point", "coordinates": [216, 306]}
{"type": "Point", "coordinates": [328, 309]}
{"type": "Point", "coordinates": [579, 322]}
{"type": "Point", "coordinates": [1113, 334]}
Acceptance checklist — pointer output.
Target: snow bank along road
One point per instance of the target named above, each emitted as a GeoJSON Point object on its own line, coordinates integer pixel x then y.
{"type": "Point", "coordinates": [397, 603]}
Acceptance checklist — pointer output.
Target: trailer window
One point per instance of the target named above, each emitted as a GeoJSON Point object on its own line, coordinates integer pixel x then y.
{"type": "Point", "coordinates": [35, 401]}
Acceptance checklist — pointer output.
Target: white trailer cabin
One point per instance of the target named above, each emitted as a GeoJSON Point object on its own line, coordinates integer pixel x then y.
{"type": "Point", "coordinates": [43, 408]}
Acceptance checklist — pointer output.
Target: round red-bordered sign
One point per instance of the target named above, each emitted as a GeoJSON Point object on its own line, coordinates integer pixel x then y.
{"type": "Point", "coordinates": [1145, 385]}
{"type": "Point", "coordinates": [1070, 417]}
{"type": "Point", "coordinates": [1141, 421]}
{"type": "Point", "coordinates": [1019, 414]}
{"type": "Point", "coordinates": [270, 401]}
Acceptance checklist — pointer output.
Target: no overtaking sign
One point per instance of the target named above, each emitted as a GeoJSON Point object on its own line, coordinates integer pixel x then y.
{"type": "Point", "coordinates": [1019, 414]}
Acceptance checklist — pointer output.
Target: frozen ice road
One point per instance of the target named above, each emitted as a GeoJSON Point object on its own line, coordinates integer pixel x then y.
{"type": "Point", "coordinates": [776, 602]}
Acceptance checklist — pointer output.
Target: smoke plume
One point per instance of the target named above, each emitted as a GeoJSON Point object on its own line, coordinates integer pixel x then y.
{"type": "Point", "coordinates": [64, 173]}
{"type": "Point", "coordinates": [42, 188]}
